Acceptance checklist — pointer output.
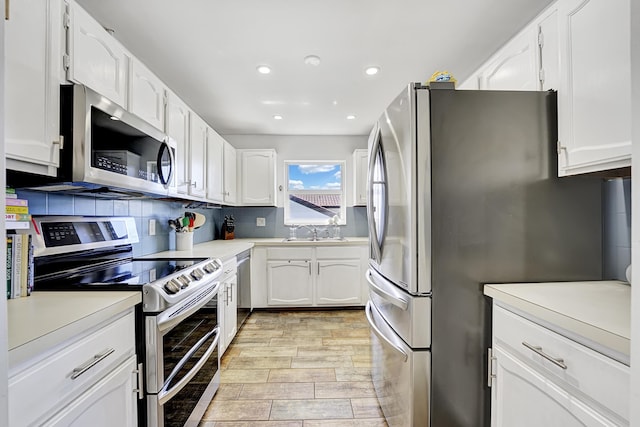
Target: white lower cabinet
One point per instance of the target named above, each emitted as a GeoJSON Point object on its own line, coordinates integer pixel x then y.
{"type": "Point", "coordinates": [289, 282]}
{"type": "Point", "coordinates": [306, 276]}
{"type": "Point", "coordinates": [87, 380]}
{"type": "Point", "coordinates": [230, 301]}
{"type": "Point", "coordinates": [228, 304]}
{"type": "Point", "coordinates": [541, 378]}
{"type": "Point", "coordinates": [110, 402]}
{"type": "Point", "coordinates": [338, 282]}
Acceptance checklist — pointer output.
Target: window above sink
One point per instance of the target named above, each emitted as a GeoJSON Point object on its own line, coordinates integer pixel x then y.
{"type": "Point", "coordinates": [315, 193]}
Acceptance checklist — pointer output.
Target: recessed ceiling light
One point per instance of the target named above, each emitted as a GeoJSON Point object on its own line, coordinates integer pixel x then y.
{"type": "Point", "coordinates": [263, 69]}
{"type": "Point", "coordinates": [277, 117]}
{"type": "Point", "coordinates": [312, 60]}
{"type": "Point", "coordinates": [351, 117]}
{"type": "Point", "coordinates": [335, 102]}
{"type": "Point", "coordinates": [371, 71]}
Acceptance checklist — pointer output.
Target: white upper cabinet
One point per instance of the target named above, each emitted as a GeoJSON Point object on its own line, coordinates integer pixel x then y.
{"type": "Point", "coordinates": [147, 94]}
{"type": "Point", "coordinates": [34, 44]}
{"type": "Point", "coordinates": [360, 165]}
{"type": "Point", "coordinates": [514, 66]}
{"type": "Point", "coordinates": [230, 178]}
{"type": "Point", "coordinates": [95, 58]}
{"type": "Point", "coordinates": [258, 177]}
{"type": "Point", "coordinates": [197, 155]}
{"type": "Point", "coordinates": [594, 103]}
{"type": "Point", "coordinates": [177, 127]}
{"type": "Point", "coordinates": [215, 167]}
{"type": "Point", "coordinates": [529, 61]}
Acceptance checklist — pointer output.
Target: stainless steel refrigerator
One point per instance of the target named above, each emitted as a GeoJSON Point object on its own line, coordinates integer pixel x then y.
{"type": "Point", "coordinates": [463, 191]}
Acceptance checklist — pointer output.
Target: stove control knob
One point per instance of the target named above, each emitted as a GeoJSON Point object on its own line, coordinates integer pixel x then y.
{"type": "Point", "coordinates": [210, 268]}
{"type": "Point", "coordinates": [172, 287]}
{"type": "Point", "coordinates": [184, 281]}
{"type": "Point", "coordinates": [197, 274]}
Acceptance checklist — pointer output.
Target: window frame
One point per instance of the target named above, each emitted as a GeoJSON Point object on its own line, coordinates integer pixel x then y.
{"type": "Point", "coordinates": [343, 192]}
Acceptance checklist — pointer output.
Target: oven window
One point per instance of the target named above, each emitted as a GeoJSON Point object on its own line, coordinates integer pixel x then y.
{"type": "Point", "coordinates": [176, 344]}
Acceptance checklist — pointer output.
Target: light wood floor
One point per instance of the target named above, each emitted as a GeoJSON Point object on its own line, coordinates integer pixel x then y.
{"type": "Point", "coordinates": [297, 369]}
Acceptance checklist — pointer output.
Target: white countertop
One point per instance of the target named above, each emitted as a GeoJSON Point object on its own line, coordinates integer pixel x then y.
{"type": "Point", "coordinates": [225, 249]}
{"type": "Point", "coordinates": [599, 311]}
{"type": "Point", "coordinates": [46, 319]}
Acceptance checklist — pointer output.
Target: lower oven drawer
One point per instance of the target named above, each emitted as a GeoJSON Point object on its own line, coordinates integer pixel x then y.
{"type": "Point", "coordinates": [400, 375]}
{"type": "Point", "coordinates": [41, 389]}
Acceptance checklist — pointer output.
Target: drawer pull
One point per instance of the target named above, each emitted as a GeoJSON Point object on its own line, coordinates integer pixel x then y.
{"type": "Point", "coordinates": [91, 363]}
{"type": "Point", "coordinates": [538, 350]}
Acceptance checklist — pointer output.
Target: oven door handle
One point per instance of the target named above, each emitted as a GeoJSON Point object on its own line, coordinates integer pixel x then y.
{"type": "Point", "coordinates": [166, 394]}
{"type": "Point", "coordinates": [170, 318]}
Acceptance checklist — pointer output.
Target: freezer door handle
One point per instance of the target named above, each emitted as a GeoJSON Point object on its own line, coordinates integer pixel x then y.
{"type": "Point", "coordinates": [379, 333]}
{"type": "Point", "coordinates": [393, 296]}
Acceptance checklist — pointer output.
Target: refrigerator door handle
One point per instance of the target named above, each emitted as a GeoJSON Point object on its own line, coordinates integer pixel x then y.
{"type": "Point", "coordinates": [391, 295]}
{"type": "Point", "coordinates": [375, 242]}
{"type": "Point", "coordinates": [379, 333]}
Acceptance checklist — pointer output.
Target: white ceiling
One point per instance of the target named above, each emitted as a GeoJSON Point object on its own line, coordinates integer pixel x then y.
{"type": "Point", "coordinates": [207, 51]}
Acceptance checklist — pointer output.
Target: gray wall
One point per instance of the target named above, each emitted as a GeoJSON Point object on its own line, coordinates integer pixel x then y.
{"type": "Point", "coordinates": [617, 228]}
{"type": "Point", "coordinates": [616, 225]}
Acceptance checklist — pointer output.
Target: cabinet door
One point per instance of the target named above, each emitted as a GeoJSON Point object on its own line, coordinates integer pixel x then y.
{"type": "Point", "coordinates": [594, 105]}
{"type": "Point", "coordinates": [522, 396]}
{"type": "Point", "coordinates": [257, 177]}
{"type": "Point", "coordinates": [146, 94]}
{"type": "Point", "coordinates": [360, 165]}
{"type": "Point", "coordinates": [110, 402]}
{"type": "Point", "coordinates": [289, 283]}
{"type": "Point", "coordinates": [338, 282]}
{"type": "Point", "coordinates": [177, 127]}
{"type": "Point", "coordinates": [231, 309]}
{"type": "Point", "coordinates": [33, 73]}
{"type": "Point", "coordinates": [197, 152]}
{"type": "Point", "coordinates": [514, 66]}
{"type": "Point", "coordinates": [230, 178]}
{"type": "Point", "coordinates": [97, 60]}
{"type": "Point", "coordinates": [215, 167]}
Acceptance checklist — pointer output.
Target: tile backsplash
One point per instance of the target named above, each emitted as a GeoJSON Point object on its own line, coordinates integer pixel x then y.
{"type": "Point", "coordinates": [142, 210]}
{"type": "Point", "coordinates": [245, 222]}
{"type": "Point", "coordinates": [617, 228]}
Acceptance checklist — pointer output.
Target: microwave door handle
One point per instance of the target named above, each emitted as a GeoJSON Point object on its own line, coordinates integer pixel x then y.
{"type": "Point", "coordinates": [166, 181]}
{"type": "Point", "coordinates": [166, 394]}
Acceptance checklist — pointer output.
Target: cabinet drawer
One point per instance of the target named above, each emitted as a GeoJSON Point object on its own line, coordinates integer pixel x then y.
{"type": "Point", "coordinates": [290, 253]}
{"type": "Point", "coordinates": [49, 384]}
{"type": "Point", "coordinates": [337, 252]}
{"type": "Point", "coordinates": [603, 381]}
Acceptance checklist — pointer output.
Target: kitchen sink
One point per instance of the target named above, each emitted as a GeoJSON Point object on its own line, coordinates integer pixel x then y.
{"type": "Point", "coordinates": [310, 239]}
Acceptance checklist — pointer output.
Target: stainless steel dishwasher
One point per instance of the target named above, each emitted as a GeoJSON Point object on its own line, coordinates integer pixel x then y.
{"type": "Point", "coordinates": [244, 286]}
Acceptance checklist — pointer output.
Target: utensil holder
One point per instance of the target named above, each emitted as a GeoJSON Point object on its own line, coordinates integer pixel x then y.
{"type": "Point", "coordinates": [184, 241]}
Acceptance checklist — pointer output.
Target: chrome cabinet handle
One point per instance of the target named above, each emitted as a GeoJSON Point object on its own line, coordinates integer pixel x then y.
{"type": "Point", "coordinates": [140, 388]}
{"type": "Point", "coordinates": [538, 350]}
{"type": "Point", "coordinates": [91, 363]}
{"type": "Point", "coordinates": [309, 267]}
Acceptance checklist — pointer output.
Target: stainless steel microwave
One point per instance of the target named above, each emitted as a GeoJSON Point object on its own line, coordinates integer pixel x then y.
{"type": "Point", "coordinates": [108, 151]}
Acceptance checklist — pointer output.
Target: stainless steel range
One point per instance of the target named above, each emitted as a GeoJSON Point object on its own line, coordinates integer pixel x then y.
{"type": "Point", "coordinates": [177, 329]}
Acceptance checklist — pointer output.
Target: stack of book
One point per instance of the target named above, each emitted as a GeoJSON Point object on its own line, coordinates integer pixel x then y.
{"type": "Point", "coordinates": [19, 265]}
{"type": "Point", "coordinates": [17, 212]}
{"type": "Point", "coordinates": [19, 246]}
